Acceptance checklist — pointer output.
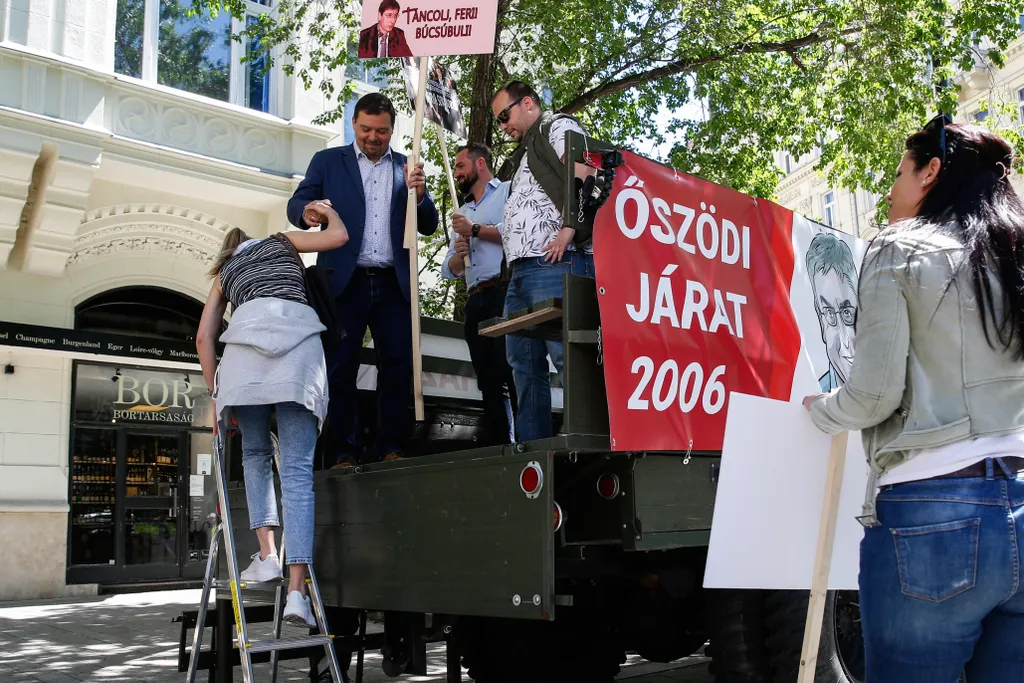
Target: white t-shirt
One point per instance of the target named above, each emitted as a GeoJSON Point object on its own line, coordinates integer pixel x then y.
{"type": "Point", "coordinates": [531, 219]}
{"type": "Point", "coordinates": [933, 462]}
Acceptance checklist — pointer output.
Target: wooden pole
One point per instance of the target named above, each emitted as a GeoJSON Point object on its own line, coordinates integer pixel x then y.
{"type": "Point", "coordinates": [451, 177]}
{"type": "Point", "coordinates": [412, 244]}
{"type": "Point", "coordinates": [823, 558]}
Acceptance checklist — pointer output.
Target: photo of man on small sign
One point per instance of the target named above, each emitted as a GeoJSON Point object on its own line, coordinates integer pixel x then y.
{"type": "Point", "coordinates": [384, 39]}
{"type": "Point", "coordinates": [429, 28]}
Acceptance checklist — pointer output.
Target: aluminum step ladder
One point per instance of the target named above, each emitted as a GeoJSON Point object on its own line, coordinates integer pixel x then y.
{"type": "Point", "coordinates": [236, 587]}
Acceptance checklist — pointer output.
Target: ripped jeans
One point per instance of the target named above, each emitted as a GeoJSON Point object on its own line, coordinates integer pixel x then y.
{"type": "Point", "coordinates": [297, 432]}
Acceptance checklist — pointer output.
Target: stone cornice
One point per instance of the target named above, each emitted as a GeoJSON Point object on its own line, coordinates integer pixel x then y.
{"type": "Point", "coordinates": [149, 228]}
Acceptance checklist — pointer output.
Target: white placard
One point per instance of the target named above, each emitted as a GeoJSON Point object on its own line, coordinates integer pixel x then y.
{"type": "Point", "coordinates": [196, 485]}
{"type": "Point", "coordinates": [771, 488]}
{"type": "Point", "coordinates": [770, 492]}
{"type": "Point", "coordinates": [204, 463]}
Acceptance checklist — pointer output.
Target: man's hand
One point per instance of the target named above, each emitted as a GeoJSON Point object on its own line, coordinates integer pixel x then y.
{"type": "Point", "coordinates": [556, 247]}
{"type": "Point", "coordinates": [462, 247]}
{"type": "Point", "coordinates": [313, 214]}
{"type": "Point", "coordinates": [462, 225]}
{"type": "Point", "coordinates": [417, 180]}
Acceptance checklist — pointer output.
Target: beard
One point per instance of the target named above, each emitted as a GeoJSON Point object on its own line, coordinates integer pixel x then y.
{"type": "Point", "coordinates": [466, 184]}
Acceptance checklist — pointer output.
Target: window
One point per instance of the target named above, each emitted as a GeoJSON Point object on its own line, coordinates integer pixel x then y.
{"type": "Point", "coordinates": [980, 116]}
{"type": "Point", "coordinates": [828, 201]}
{"type": "Point", "coordinates": [192, 53]}
{"type": "Point", "coordinates": [257, 77]}
{"type": "Point", "coordinates": [350, 111]}
{"type": "Point", "coordinates": [788, 162]}
{"type": "Point", "coordinates": [128, 37]}
{"type": "Point", "coordinates": [1020, 106]}
{"type": "Point", "coordinates": [359, 70]}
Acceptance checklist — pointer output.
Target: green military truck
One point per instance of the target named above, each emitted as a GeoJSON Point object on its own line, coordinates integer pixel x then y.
{"type": "Point", "coordinates": [548, 561]}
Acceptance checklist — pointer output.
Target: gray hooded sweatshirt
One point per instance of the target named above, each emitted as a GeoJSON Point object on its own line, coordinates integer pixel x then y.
{"type": "Point", "coordinates": [272, 355]}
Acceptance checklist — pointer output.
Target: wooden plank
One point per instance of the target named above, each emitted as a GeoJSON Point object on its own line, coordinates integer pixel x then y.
{"type": "Point", "coordinates": [530, 319]}
{"type": "Point", "coordinates": [823, 559]}
{"type": "Point", "coordinates": [412, 244]}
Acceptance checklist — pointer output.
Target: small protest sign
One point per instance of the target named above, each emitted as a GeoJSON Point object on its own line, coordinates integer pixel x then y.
{"type": "Point", "coordinates": [424, 28]}
{"type": "Point", "coordinates": [442, 100]}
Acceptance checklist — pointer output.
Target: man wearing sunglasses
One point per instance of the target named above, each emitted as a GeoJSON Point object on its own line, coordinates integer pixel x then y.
{"type": "Point", "coordinates": [539, 249]}
{"type": "Point", "coordinates": [833, 274]}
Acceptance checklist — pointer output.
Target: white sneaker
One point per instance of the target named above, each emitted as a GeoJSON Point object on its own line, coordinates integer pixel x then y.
{"type": "Point", "coordinates": [298, 612]}
{"type": "Point", "coordinates": [260, 571]}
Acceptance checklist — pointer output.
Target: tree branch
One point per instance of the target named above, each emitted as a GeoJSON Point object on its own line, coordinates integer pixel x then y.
{"type": "Point", "coordinates": [689, 64]}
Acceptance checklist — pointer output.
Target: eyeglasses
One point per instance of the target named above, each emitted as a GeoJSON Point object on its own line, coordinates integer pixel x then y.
{"type": "Point", "coordinates": [503, 115]}
{"type": "Point", "coordinates": [939, 123]}
{"type": "Point", "coordinates": [848, 314]}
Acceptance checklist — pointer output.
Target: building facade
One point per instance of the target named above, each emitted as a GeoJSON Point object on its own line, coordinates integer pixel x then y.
{"type": "Point", "coordinates": [988, 95]}
{"type": "Point", "coordinates": [132, 137]}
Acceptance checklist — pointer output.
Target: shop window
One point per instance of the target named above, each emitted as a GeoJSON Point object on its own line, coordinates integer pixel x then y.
{"type": "Point", "coordinates": [92, 496]}
{"type": "Point", "coordinates": [194, 53]}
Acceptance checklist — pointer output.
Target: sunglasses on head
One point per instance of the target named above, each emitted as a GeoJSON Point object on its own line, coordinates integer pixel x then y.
{"type": "Point", "coordinates": [939, 123]}
{"type": "Point", "coordinates": [503, 115]}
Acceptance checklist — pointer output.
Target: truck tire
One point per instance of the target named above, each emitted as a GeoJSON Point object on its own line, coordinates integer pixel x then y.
{"type": "Point", "coordinates": [736, 627]}
{"type": "Point", "coordinates": [841, 652]}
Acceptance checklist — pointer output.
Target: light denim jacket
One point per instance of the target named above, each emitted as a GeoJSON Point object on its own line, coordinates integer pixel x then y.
{"type": "Point", "coordinates": [924, 374]}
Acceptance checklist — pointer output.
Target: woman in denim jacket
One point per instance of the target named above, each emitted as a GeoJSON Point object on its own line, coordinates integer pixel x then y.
{"type": "Point", "coordinates": [937, 389]}
{"type": "Point", "coordinates": [273, 359]}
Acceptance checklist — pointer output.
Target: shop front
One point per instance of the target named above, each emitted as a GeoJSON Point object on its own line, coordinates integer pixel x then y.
{"type": "Point", "coordinates": [142, 497]}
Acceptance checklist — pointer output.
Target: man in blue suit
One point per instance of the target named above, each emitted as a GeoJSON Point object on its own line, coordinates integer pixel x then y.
{"type": "Point", "coordinates": [366, 184]}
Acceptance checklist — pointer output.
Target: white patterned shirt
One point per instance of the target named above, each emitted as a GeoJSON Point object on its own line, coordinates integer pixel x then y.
{"type": "Point", "coordinates": [531, 219]}
{"type": "Point", "coordinates": [378, 182]}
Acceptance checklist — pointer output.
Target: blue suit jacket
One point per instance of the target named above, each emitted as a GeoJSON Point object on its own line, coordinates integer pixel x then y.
{"type": "Point", "coordinates": [334, 174]}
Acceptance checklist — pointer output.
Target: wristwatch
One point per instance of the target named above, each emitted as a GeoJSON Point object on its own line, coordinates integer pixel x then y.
{"type": "Point", "coordinates": [476, 230]}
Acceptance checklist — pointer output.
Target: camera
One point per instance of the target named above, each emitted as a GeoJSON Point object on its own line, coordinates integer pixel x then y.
{"type": "Point", "coordinates": [596, 188]}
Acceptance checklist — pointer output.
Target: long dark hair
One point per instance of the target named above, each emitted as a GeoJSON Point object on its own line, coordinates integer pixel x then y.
{"type": "Point", "coordinates": [972, 193]}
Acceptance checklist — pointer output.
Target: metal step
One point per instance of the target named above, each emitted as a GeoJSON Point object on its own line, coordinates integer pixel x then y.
{"type": "Point", "coordinates": [224, 584]}
{"type": "Point", "coordinates": [288, 643]}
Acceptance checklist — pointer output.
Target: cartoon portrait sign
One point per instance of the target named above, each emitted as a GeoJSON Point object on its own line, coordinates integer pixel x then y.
{"type": "Point", "coordinates": [830, 264]}
{"type": "Point", "coordinates": [426, 28]}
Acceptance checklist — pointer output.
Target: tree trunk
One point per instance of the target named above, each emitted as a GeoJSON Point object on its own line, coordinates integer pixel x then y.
{"type": "Point", "coordinates": [480, 107]}
{"type": "Point", "coordinates": [481, 123]}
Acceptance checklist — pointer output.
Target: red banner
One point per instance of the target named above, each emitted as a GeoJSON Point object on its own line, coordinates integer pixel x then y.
{"type": "Point", "coordinates": [694, 284]}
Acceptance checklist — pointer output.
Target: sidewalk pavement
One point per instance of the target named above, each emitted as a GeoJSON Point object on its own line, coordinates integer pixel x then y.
{"type": "Point", "coordinates": [130, 637]}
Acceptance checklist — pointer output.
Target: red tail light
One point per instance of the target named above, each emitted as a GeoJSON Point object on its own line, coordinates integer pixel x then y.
{"type": "Point", "coordinates": [559, 517]}
{"type": "Point", "coordinates": [531, 480]}
{"type": "Point", "coordinates": [608, 486]}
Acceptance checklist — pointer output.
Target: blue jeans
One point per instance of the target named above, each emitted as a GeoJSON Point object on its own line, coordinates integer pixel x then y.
{"type": "Point", "coordinates": [296, 432]}
{"type": "Point", "coordinates": [533, 280]}
{"type": "Point", "coordinates": [940, 582]}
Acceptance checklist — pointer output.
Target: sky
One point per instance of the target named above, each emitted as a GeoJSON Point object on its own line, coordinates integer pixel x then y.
{"type": "Point", "coordinates": [646, 147]}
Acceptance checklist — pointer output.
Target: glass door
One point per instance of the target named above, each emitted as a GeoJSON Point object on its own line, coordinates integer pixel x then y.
{"type": "Point", "coordinates": [200, 505]}
{"type": "Point", "coordinates": [150, 513]}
